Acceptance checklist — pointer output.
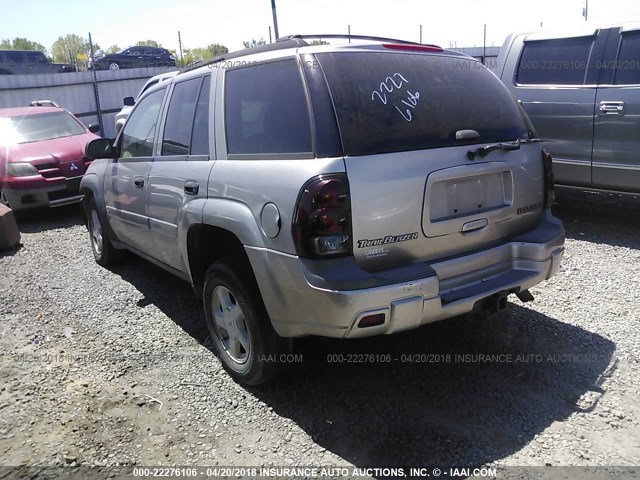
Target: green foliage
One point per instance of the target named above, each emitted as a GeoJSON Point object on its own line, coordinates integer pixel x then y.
{"type": "Point", "coordinates": [254, 43]}
{"type": "Point", "coordinates": [199, 54]}
{"type": "Point", "coordinates": [72, 49]}
{"type": "Point", "coordinates": [319, 42]}
{"type": "Point", "coordinates": [19, 43]}
{"type": "Point", "coordinates": [113, 49]}
{"type": "Point", "coordinates": [149, 43]}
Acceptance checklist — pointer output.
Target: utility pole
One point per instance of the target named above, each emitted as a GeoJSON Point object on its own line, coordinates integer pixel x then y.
{"type": "Point", "coordinates": [270, 35]}
{"type": "Point", "coordinates": [349, 32]}
{"type": "Point", "coordinates": [585, 10]}
{"type": "Point", "coordinates": [180, 47]}
{"type": "Point", "coordinates": [275, 19]}
{"type": "Point", "coordinates": [420, 33]}
{"type": "Point", "coordinates": [484, 46]}
{"type": "Point", "coordinates": [96, 94]}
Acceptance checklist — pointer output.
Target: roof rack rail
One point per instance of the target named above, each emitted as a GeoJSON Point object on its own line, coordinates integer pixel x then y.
{"type": "Point", "coordinates": [280, 44]}
{"type": "Point", "coordinates": [357, 37]}
{"type": "Point", "coordinates": [43, 103]}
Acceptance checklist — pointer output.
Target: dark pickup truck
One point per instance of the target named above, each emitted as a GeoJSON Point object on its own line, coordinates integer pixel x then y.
{"type": "Point", "coordinates": [20, 62]}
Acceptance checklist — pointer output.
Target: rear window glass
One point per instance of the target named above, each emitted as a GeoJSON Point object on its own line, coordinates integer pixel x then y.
{"type": "Point", "coordinates": [389, 102]}
{"type": "Point", "coordinates": [38, 127]}
{"type": "Point", "coordinates": [628, 64]}
{"type": "Point", "coordinates": [555, 62]}
{"type": "Point", "coordinates": [266, 110]}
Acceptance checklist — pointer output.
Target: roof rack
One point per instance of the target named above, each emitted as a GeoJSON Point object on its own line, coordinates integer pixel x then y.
{"type": "Point", "coordinates": [43, 103]}
{"type": "Point", "coordinates": [357, 37]}
{"type": "Point", "coordinates": [281, 44]}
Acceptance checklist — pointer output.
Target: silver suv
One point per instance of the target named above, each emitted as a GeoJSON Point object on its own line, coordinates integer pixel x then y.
{"type": "Point", "coordinates": [338, 190]}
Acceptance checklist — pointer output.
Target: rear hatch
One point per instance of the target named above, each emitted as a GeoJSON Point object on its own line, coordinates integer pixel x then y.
{"type": "Point", "coordinates": [416, 192]}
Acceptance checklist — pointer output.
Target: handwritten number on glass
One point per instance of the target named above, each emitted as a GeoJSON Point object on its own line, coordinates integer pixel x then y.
{"type": "Point", "coordinates": [391, 84]}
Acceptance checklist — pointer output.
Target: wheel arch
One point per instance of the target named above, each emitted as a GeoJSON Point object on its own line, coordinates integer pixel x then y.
{"type": "Point", "coordinates": [226, 228]}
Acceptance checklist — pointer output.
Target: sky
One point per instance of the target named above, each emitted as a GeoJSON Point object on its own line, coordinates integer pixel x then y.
{"type": "Point", "coordinates": [229, 22]}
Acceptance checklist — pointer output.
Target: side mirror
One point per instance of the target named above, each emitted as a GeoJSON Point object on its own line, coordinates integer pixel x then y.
{"type": "Point", "coordinates": [129, 101]}
{"type": "Point", "coordinates": [94, 127]}
{"type": "Point", "coordinates": [100, 148]}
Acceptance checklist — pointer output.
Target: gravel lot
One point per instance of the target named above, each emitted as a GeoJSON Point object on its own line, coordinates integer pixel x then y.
{"type": "Point", "coordinates": [110, 367]}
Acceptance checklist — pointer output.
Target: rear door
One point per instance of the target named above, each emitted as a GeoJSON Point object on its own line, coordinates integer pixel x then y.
{"type": "Point", "coordinates": [127, 178]}
{"type": "Point", "coordinates": [179, 174]}
{"type": "Point", "coordinates": [416, 194]}
{"type": "Point", "coordinates": [616, 147]}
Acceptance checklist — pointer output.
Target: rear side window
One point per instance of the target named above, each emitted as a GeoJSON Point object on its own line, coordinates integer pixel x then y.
{"type": "Point", "coordinates": [390, 102]}
{"type": "Point", "coordinates": [628, 63]}
{"type": "Point", "coordinates": [266, 110]}
{"type": "Point", "coordinates": [179, 123]}
{"type": "Point", "coordinates": [200, 137]}
{"type": "Point", "coordinates": [555, 62]}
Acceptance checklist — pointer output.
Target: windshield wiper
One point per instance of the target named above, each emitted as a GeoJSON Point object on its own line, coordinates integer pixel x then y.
{"type": "Point", "coordinates": [484, 151]}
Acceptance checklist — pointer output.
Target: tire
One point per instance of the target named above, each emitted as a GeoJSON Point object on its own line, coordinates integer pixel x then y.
{"type": "Point", "coordinates": [104, 252]}
{"type": "Point", "coordinates": [239, 326]}
{"type": "Point", "coordinates": [4, 200]}
{"type": "Point", "coordinates": [114, 66]}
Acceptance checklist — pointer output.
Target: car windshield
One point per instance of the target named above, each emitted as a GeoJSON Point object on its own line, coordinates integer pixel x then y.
{"type": "Point", "coordinates": [35, 128]}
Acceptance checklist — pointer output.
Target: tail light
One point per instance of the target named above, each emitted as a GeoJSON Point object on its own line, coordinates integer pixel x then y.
{"type": "Point", "coordinates": [549, 193]}
{"type": "Point", "coordinates": [322, 221]}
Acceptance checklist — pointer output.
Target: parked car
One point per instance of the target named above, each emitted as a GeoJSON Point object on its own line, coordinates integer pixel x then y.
{"type": "Point", "coordinates": [581, 90]}
{"type": "Point", "coordinates": [129, 102]}
{"type": "Point", "coordinates": [42, 155]}
{"type": "Point", "coordinates": [344, 190]}
{"type": "Point", "coordinates": [21, 62]}
{"type": "Point", "coordinates": [134, 57]}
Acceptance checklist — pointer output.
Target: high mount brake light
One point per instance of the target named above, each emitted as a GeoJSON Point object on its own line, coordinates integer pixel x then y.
{"type": "Point", "coordinates": [549, 193]}
{"type": "Point", "coordinates": [322, 221]}
{"type": "Point", "coordinates": [412, 48]}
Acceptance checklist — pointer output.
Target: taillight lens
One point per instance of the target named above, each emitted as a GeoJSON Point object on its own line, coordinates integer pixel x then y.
{"type": "Point", "coordinates": [549, 193]}
{"type": "Point", "coordinates": [322, 220]}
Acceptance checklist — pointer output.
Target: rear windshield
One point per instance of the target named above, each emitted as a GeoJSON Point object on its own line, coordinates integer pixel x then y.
{"type": "Point", "coordinates": [390, 102]}
{"type": "Point", "coordinates": [38, 127]}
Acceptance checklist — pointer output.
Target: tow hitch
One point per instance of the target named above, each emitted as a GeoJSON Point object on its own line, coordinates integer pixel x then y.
{"type": "Point", "coordinates": [497, 302]}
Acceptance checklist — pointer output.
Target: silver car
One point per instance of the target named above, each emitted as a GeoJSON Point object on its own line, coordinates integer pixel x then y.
{"type": "Point", "coordinates": [342, 190]}
{"type": "Point", "coordinates": [129, 102]}
{"type": "Point", "coordinates": [581, 90]}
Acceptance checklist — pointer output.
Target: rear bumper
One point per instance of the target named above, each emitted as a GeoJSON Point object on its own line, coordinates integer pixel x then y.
{"type": "Point", "coordinates": [302, 302]}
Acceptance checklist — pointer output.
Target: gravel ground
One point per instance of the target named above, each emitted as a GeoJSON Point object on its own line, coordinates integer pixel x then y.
{"type": "Point", "coordinates": [110, 367]}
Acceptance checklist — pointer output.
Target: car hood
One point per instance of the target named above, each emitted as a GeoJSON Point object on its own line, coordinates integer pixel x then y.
{"type": "Point", "coordinates": [62, 150]}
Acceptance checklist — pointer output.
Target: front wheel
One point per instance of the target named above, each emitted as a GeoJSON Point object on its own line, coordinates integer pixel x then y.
{"type": "Point", "coordinates": [240, 328]}
{"type": "Point", "coordinates": [103, 251]}
{"type": "Point", "coordinates": [114, 66]}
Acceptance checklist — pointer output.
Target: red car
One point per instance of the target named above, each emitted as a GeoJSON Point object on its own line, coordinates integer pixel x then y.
{"type": "Point", "coordinates": [41, 156]}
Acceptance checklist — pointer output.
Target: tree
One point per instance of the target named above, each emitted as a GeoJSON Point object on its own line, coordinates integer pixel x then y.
{"type": "Point", "coordinates": [254, 43]}
{"type": "Point", "coordinates": [113, 49]}
{"type": "Point", "coordinates": [199, 54]}
{"type": "Point", "coordinates": [72, 49]}
{"type": "Point", "coordinates": [319, 42]}
{"type": "Point", "coordinates": [149, 43]}
{"type": "Point", "coordinates": [19, 43]}
{"type": "Point", "coordinates": [216, 49]}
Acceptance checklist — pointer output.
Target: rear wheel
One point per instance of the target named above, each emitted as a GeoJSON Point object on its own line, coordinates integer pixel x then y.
{"type": "Point", "coordinates": [239, 325]}
{"type": "Point", "coordinates": [103, 251]}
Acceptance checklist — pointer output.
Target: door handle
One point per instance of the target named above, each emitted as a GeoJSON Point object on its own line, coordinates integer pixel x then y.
{"type": "Point", "coordinates": [191, 187]}
{"type": "Point", "coordinates": [138, 182]}
{"type": "Point", "coordinates": [611, 108]}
